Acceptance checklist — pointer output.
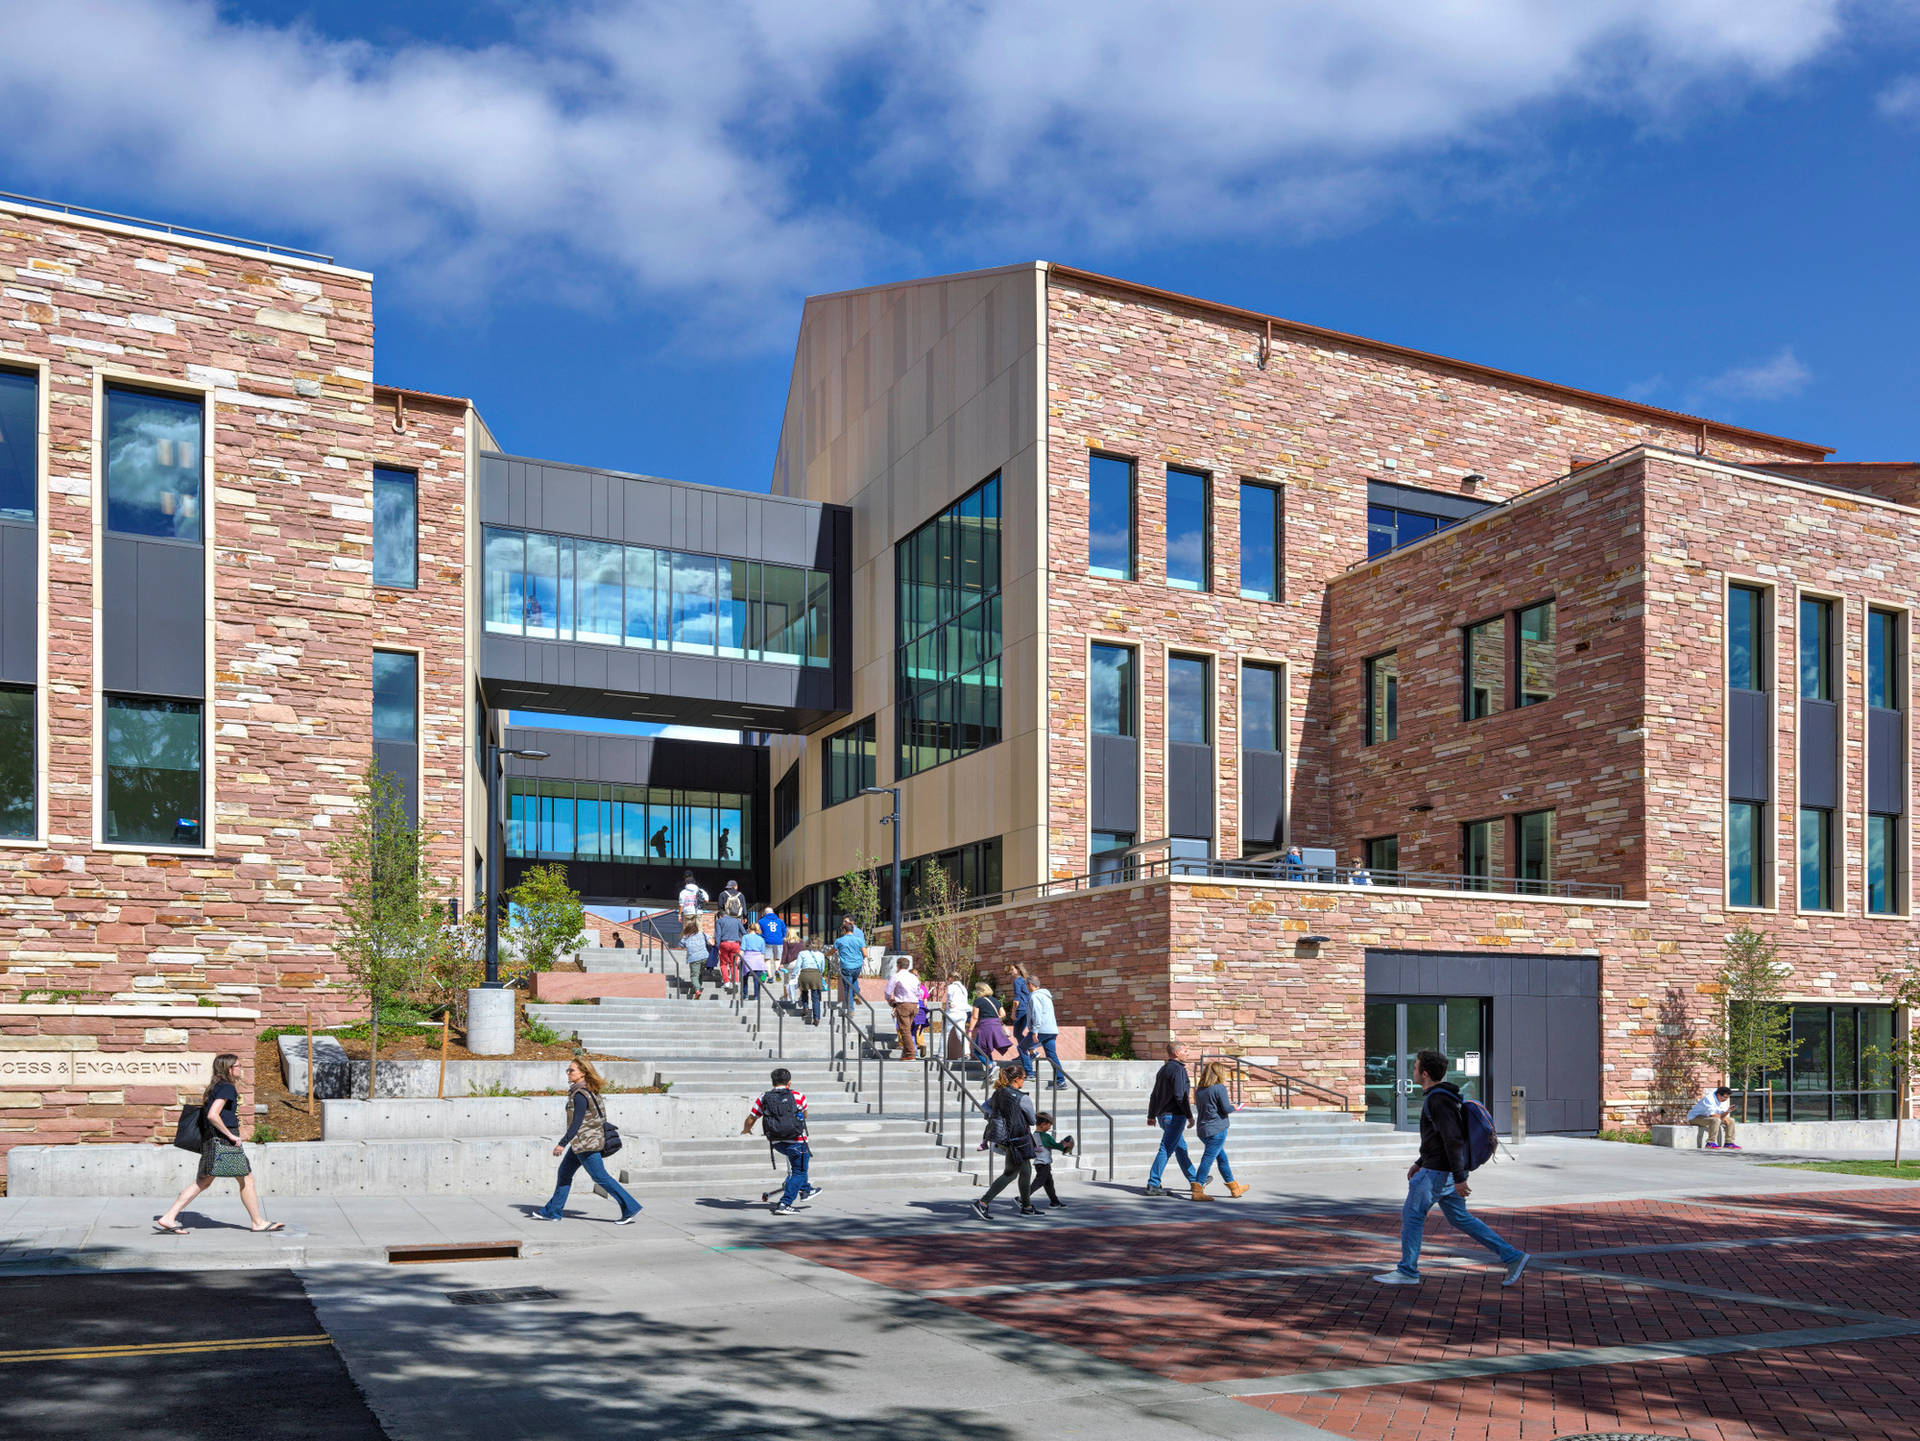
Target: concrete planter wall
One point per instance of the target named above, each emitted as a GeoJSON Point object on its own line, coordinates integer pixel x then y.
{"type": "Point", "coordinates": [672, 1118]}
{"type": "Point", "coordinates": [1803, 1136]}
{"type": "Point", "coordinates": [340, 1079]}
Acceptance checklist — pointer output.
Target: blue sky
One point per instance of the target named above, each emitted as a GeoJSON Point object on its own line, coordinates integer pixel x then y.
{"type": "Point", "coordinates": [597, 219]}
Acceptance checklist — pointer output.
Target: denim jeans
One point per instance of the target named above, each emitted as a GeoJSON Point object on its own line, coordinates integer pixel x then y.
{"type": "Point", "coordinates": [849, 987]}
{"type": "Point", "coordinates": [595, 1167]}
{"type": "Point", "coordinates": [1171, 1129]}
{"type": "Point", "coordinates": [797, 1156]}
{"type": "Point", "coordinates": [751, 981]}
{"type": "Point", "coordinates": [1215, 1150]}
{"type": "Point", "coordinates": [1425, 1190]}
{"type": "Point", "coordinates": [1037, 1042]}
{"type": "Point", "coordinates": [810, 997]}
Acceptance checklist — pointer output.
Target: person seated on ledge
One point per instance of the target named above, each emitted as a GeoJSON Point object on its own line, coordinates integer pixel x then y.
{"type": "Point", "coordinates": [1713, 1113]}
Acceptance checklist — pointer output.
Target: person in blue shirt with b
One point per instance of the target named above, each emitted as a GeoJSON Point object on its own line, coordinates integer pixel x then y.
{"type": "Point", "coordinates": [851, 948]}
{"type": "Point", "coordinates": [773, 931]}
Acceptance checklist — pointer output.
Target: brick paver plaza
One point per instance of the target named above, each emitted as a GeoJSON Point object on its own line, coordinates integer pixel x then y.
{"type": "Point", "coordinates": [1727, 1318]}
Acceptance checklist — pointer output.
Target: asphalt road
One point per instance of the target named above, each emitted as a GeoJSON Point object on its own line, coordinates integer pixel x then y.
{"type": "Point", "coordinates": [172, 1356]}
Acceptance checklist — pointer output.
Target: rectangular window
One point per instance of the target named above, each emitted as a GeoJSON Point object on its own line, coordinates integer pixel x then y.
{"type": "Point", "coordinates": [396, 696]}
{"type": "Point", "coordinates": [1816, 649]}
{"type": "Point", "coordinates": [1259, 707]}
{"type": "Point", "coordinates": [1884, 683]}
{"type": "Point", "coordinates": [153, 460]}
{"type": "Point", "coordinates": [1189, 706]}
{"type": "Point", "coordinates": [506, 581]}
{"type": "Point", "coordinates": [1383, 859]}
{"type": "Point", "coordinates": [1389, 528]}
{"type": "Point", "coordinates": [1383, 698]}
{"type": "Point", "coordinates": [396, 527]}
{"type": "Point", "coordinates": [599, 586]}
{"type": "Point", "coordinates": [585, 821]}
{"type": "Point", "coordinates": [1110, 691]}
{"type": "Point", "coordinates": [1746, 638]}
{"type": "Point", "coordinates": [1110, 517]}
{"type": "Point", "coordinates": [1261, 541]}
{"type": "Point", "coordinates": [153, 772]}
{"type": "Point", "coordinates": [786, 803]}
{"type": "Point", "coordinates": [639, 599]}
{"type": "Point", "coordinates": [1840, 1067]}
{"type": "Point", "coordinates": [1105, 850]}
{"type": "Point", "coordinates": [1484, 668]}
{"type": "Point", "coordinates": [1483, 853]}
{"type": "Point", "coordinates": [19, 444]}
{"type": "Point", "coordinates": [947, 633]}
{"type": "Point", "coordinates": [1883, 865]}
{"type": "Point", "coordinates": [543, 586]}
{"type": "Point", "coordinates": [1816, 858]}
{"type": "Point", "coordinates": [851, 759]}
{"type": "Point", "coordinates": [694, 618]}
{"type": "Point", "coordinates": [1533, 838]}
{"type": "Point", "coordinates": [1188, 530]}
{"type": "Point", "coordinates": [1539, 661]}
{"type": "Point", "coordinates": [16, 763]}
{"type": "Point", "coordinates": [1746, 854]}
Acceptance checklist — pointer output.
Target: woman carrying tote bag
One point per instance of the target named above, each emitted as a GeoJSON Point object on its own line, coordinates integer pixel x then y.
{"type": "Point", "coordinates": [590, 1137]}
{"type": "Point", "coordinates": [220, 1153]}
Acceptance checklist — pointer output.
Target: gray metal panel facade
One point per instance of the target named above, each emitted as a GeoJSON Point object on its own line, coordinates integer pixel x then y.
{"type": "Point", "coordinates": [1544, 1025]}
{"type": "Point", "coordinates": [1189, 790]}
{"type": "Point", "coordinates": [1886, 761]}
{"type": "Point", "coordinates": [153, 618]}
{"type": "Point", "coordinates": [1263, 799]}
{"type": "Point", "coordinates": [1115, 784]}
{"type": "Point", "coordinates": [1820, 753]}
{"type": "Point", "coordinates": [19, 603]}
{"type": "Point", "coordinates": [1749, 718]}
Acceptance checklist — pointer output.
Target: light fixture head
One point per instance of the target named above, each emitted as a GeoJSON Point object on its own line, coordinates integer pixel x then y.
{"type": "Point", "coordinates": [1314, 940]}
{"type": "Point", "coordinates": [1471, 478]}
{"type": "Point", "coordinates": [531, 755]}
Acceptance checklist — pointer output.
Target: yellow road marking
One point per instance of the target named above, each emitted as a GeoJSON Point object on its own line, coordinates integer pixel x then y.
{"type": "Point", "coordinates": [161, 1348]}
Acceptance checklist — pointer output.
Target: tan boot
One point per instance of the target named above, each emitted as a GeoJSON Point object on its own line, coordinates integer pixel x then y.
{"type": "Point", "coordinates": [1200, 1192]}
{"type": "Point", "coordinates": [1237, 1189]}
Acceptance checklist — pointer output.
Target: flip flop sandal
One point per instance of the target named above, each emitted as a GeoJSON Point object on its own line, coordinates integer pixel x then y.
{"type": "Point", "coordinates": [167, 1230]}
{"type": "Point", "coordinates": [270, 1226]}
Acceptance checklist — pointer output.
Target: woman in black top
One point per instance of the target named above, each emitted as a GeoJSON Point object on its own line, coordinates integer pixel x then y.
{"type": "Point", "coordinates": [1010, 1114]}
{"type": "Point", "coordinates": [221, 1154]}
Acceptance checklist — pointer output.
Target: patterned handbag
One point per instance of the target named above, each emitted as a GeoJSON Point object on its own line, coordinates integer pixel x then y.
{"type": "Point", "coordinates": [229, 1160]}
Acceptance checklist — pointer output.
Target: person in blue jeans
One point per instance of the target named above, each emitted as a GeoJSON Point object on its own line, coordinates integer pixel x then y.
{"type": "Point", "coordinates": [782, 1114]}
{"type": "Point", "coordinates": [1170, 1107]}
{"type": "Point", "coordinates": [1439, 1177]}
{"type": "Point", "coordinates": [581, 1145]}
{"type": "Point", "coordinates": [1214, 1102]}
{"type": "Point", "coordinates": [850, 947]}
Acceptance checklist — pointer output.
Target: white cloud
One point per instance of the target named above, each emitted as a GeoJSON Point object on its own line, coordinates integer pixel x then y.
{"type": "Point", "coordinates": [722, 158]}
{"type": "Point", "coordinates": [1776, 378]}
{"type": "Point", "coordinates": [1900, 100]}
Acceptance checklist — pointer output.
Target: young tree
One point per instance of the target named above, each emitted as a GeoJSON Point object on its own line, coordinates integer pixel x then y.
{"type": "Point", "coordinates": [1902, 981]}
{"type": "Point", "coordinates": [456, 963]}
{"type": "Point", "coordinates": [1676, 1070]}
{"type": "Point", "coordinates": [949, 930]}
{"type": "Point", "coordinates": [858, 893]}
{"type": "Point", "coordinates": [548, 918]}
{"type": "Point", "coordinates": [1751, 1039]}
{"type": "Point", "coordinates": [387, 920]}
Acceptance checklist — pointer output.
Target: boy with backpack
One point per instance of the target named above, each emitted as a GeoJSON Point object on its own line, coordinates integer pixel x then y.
{"type": "Point", "coordinates": [1456, 1136]}
{"type": "Point", "coordinates": [782, 1114]}
{"type": "Point", "coordinates": [1043, 1168]}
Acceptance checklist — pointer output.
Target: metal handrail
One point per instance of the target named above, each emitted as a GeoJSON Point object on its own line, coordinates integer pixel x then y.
{"type": "Point", "coordinates": [1321, 877]}
{"type": "Point", "coordinates": [1281, 1083]}
{"type": "Point", "coordinates": [188, 231]}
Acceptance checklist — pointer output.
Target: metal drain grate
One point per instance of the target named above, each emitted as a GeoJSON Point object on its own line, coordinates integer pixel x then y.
{"type": "Point", "coordinates": [503, 1297]}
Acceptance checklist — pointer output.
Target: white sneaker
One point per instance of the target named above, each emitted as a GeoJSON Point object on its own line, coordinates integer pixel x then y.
{"type": "Point", "coordinates": [1397, 1277]}
{"type": "Point", "coordinates": [1514, 1270]}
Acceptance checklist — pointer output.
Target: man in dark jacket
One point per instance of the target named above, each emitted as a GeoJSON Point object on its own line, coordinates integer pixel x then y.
{"type": "Point", "coordinates": [1170, 1108]}
{"type": "Point", "coordinates": [1440, 1176]}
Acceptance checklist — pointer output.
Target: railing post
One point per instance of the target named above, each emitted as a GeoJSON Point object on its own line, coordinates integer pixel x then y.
{"type": "Point", "coordinates": [882, 1064]}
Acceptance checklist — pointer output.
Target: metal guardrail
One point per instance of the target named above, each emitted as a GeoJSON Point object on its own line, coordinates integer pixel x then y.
{"type": "Point", "coordinates": [1185, 868]}
{"type": "Point", "coordinates": [187, 231]}
{"type": "Point", "coordinates": [953, 1073]}
{"type": "Point", "coordinates": [1280, 1084]}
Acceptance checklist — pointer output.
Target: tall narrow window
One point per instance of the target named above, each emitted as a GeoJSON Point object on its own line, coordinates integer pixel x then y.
{"type": "Point", "coordinates": [153, 772]}
{"type": "Point", "coordinates": [1886, 760]}
{"type": "Point", "coordinates": [947, 633]}
{"type": "Point", "coordinates": [1746, 638]}
{"type": "Point", "coordinates": [1482, 853]}
{"type": "Point", "coordinates": [1533, 838]}
{"type": "Point", "coordinates": [396, 527]}
{"type": "Point", "coordinates": [1259, 707]}
{"type": "Point", "coordinates": [396, 696]}
{"type": "Point", "coordinates": [1816, 858]}
{"type": "Point", "coordinates": [19, 444]}
{"type": "Point", "coordinates": [1189, 706]}
{"type": "Point", "coordinates": [153, 456]}
{"type": "Point", "coordinates": [1260, 541]}
{"type": "Point", "coordinates": [1538, 660]}
{"type": "Point", "coordinates": [1188, 528]}
{"type": "Point", "coordinates": [1383, 698]}
{"type": "Point", "coordinates": [1746, 854]}
{"type": "Point", "coordinates": [1883, 865]}
{"type": "Point", "coordinates": [1816, 649]}
{"type": "Point", "coordinates": [1111, 689]}
{"type": "Point", "coordinates": [598, 568]}
{"type": "Point", "coordinates": [16, 763]}
{"type": "Point", "coordinates": [1883, 659]}
{"type": "Point", "coordinates": [1383, 859]}
{"type": "Point", "coordinates": [786, 803]}
{"type": "Point", "coordinates": [1484, 668]}
{"type": "Point", "coordinates": [850, 762]}
{"type": "Point", "coordinates": [1110, 517]}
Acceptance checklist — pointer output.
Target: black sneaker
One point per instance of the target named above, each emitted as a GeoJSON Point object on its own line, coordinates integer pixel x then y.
{"type": "Point", "coordinates": [1155, 1191]}
{"type": "Point", "coordinates": [783, 1210]}
{"type": "Point", "coordinates": [1029, 1211]}
{"type": "Point", "coordinates": [1056, 1205]}
{"type": "Point", "coordinates": [979, 1208]}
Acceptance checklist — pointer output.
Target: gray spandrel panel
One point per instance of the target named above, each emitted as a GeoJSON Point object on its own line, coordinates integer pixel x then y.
{"type": "Point", "coordinates": [730, 526]}
{"type": "Point", "coordinates": [19, 603]}
{"type": "Point", "coordinates": [1819, 753]}
{"type": "Point", "coordinates": [516, 494]}
{"type": "Point", "coordinates": [1886, 761]}
{"type": "Point", "coordinates": [494, 509]}
{"type": "Point", "coordinates": [566, 502]}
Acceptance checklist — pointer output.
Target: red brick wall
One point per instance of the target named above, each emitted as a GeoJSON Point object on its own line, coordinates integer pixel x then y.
{"type": "Point", "coordinates": [1168, 383]}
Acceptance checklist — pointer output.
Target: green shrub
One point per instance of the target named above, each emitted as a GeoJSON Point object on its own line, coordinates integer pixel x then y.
{"type": "Point", "coordinates": [1630, 1135]}
{"type": "Point", "coordinates": [492, 1091]}
{"type": "Point", "coordinates": [263, 1134]}
{"type": "Point", "coordinates": [540, 1033]}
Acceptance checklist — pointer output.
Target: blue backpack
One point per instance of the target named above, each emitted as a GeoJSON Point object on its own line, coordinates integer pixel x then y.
{"type": "Point", "coordinates": [1482, 1139]}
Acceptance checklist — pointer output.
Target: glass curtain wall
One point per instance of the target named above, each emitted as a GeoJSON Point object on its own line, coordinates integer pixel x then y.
{"type": "Point", "coordinates": [639, 825]}
{"type": "Point", "coordinates": [947, 633]}
{"type": "Point", "coordinates": [550, 587]}
{"type": "Point", "coordinates": [1840, 1068]}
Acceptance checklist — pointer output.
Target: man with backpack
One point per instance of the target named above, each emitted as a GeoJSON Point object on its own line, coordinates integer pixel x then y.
{"type": "Point", "coordinates": [782, 1114]}
{"type": "Point", "coordinates": [1456, 1136]}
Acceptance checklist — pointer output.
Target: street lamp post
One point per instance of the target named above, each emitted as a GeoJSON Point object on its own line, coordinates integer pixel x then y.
{"type": "Point", "coordinates": [894, 821]}
{"type": "Point", "coordinates": [496, 842]}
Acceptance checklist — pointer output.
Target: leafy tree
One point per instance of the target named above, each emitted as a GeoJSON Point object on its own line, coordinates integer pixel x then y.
{"type": "Point", "coordinates": [548, 919]}
{"type": "Point", "coordinates": [948, 928]}
{"type": "Point", "coordinates": [1752, 1036]}
{"type": "Point", "coordinates": [1902, 981]}
{"type": "Point", "coordinates": [387, 920]}
{"type": "Point", "coordinates": [1676, 1068]}
{"type": "Point", "coordinates": [456, 962]}
{"type": "Point", "coordinates": [858, 893]}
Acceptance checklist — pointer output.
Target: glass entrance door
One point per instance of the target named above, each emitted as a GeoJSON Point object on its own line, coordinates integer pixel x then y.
{"type": "Point", "coordinates": [1398, 1030]}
